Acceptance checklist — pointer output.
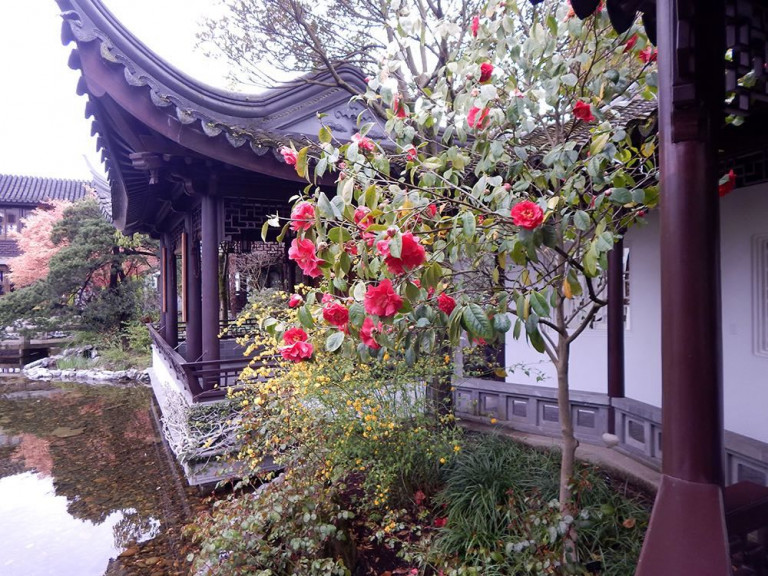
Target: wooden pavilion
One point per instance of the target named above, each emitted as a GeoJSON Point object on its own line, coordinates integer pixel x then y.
{"type": "Point", "coordinates": [199, 169]}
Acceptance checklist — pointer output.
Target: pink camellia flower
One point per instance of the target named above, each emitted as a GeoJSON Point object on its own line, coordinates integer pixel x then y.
{"type": "Point", "coordinates": [302, 251]}
{"type": "Point", "coordinates": [295, 300]}
{"type": "Point", "coordinates": [648, 54]}
{"type": "Point", "coordinates": [364, 143]}
{"type": "Point", "coordinates": [327, 298]}
{"type": "Point", "coordinates": [382, 248]}
{"type": "Point", "coordinates": [362, 217]}
{"type": "Point", "coordinates": [475, 26]}
{"type": "Point", "coordinates": [289, 155]}
{"type": "Point", "coordinates": [302, 216]}
{"type": "Point", "coordinates": [476, 118]}
{"type": "Point", "coordinates": [527, 215]}
{"type": "Point", "coordinates": [726, 186]}
{"type": "Point", "coordinates": [412, 254]}
{"type": "Point", "coordinates": [411, 153]}
{"type": "Point", "coordinates": [486, 69]}
{"type": "Point", "coordinates": [337, 315]}
{"type": "Point", "coordinates": [630, 44]}
{"type": "Point", "coordinates": [382, 300]}
{"type": "Point", "coordinates": [398, 108]}
{"type": "Point", "coordinates": [446, 303]}
{"type": "Point", "coordinates": [367, 332]}
{"type": "Point", "coordinates": [583, 111]}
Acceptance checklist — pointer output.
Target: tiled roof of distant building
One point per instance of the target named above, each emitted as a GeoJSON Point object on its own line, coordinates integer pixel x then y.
{"type": "Point", "coordinates": [31, 190]}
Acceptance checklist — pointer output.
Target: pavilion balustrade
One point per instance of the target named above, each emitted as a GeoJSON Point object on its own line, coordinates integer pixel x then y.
{"type": "Point", "coordinates": [207, 380]}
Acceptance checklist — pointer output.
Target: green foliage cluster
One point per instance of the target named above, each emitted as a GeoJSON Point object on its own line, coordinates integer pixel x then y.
{"type": "Point", "coordinates": [503, 517]}
{"type": "Point", "coordinates": [96, 281]}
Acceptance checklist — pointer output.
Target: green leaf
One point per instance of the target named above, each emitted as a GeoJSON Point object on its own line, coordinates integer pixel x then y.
{"type": "Point", "coordinates": [468, 224]}
{"type": "Point", "coordinates": [356, 315]}
{"type": "Point", "coordinates": [412, 291]}
{"type": "Point", "coordinates": [518, 329]}
{"type": "Point", "coordinates": [539, 304]}
{"type": "Point", "coordinates": [431, 275]}
{"type": "Point", "coordinates": [621, 196]}
{"type": "Point", "coordinates": [264, 229]}
{"type": "Point", "coordinates": [599, 142]}
{"type": "Point", "coordinates": [283, 232]}
{"type": "Point", "coordinates": [502, 322]}
{"type": "Point", "coordinates": [305, 317]}
{"type": "Point", "coordinates": [581, 220]}
{"type": "Point", "coordinates": [358, 292]}
{"type": "Point", "coordinates": [536, 341]}
{"type": "Point", "coordinates": [339, 235]}
{"type": "Point", "coordinates": [334, 341]}
{"type": "Point", "coordinates": [476, 321]}
{"type": "Point", "coordinates": [324, 206]}
{"type": "Point", "coordinates": [301, 162]}
{"type": "Point", "coordinates": [396, 245]}
{"type": "Point", "coordinates": [325, 135]}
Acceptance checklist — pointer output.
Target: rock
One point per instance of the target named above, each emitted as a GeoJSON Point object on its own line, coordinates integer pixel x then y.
{"type": "Point", "coordinates": [66, 432]}
{"type": "Point", "coordinates": [611, 440]}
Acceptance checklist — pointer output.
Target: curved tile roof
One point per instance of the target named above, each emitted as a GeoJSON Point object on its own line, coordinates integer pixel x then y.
{"type": "Point", "coordinates": [31, 190]}
{"type": "Point", "coordinates": [265, 120]}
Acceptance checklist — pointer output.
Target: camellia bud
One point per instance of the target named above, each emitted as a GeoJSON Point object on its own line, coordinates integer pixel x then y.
{"type": "Point", "coordinates": [475, 92]}
{"type": "Point", "coordinates": [391, 231]}
{"type": "Point", "coordinates": [608, 192]}
{"type": "Point", "coordinates": [507, 186]}
{"type": "Point", "coordinates": [322, 246]}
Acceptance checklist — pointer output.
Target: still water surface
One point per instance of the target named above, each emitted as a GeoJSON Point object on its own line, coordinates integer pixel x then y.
{"type": "Point", "coordinates": [86, 487]}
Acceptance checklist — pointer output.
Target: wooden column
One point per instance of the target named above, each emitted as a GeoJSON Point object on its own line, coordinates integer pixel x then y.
{"type": "Point", "coordinates": [687, 532]}
{"type": "Point", "coordinates": [163, 287]}
{"type": "Point", "coordinates": [210, 274]}
{"type": "Point", "coordinates": [171, 294]}
{"type": "Point", "coordinates": [615, 328]}
{"type": "Point", "coordinates": [192, 298]}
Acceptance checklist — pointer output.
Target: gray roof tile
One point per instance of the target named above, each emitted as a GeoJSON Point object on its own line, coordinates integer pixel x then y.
{"type": "Point", "coordinates": [31, 190]}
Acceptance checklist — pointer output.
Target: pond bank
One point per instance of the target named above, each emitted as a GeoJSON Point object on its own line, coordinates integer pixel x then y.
{"type": "Point", "coordinates": [47, 369]}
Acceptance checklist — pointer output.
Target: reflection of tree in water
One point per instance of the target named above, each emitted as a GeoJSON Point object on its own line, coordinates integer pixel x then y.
{"type": "Point", "coordinates": [133, 527]}
{"type": "Point", "coordinates": [113, 465]}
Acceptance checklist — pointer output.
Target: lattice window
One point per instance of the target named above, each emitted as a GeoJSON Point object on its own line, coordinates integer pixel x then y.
{"type": "Point", "coordinates": [600, 321]}
{"type": "Point", "coordinates": [760, 274]}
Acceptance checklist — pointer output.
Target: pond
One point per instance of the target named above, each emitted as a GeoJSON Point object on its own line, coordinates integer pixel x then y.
{"type": "Point", "coordinates": [87, 487]}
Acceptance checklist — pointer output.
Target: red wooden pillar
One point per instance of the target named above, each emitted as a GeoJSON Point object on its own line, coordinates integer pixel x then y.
{"type": "Point", "coordinates": [687, 532]}
{"type": "Point", "coordinates": [171, 294]}
{"type": "Point", "coordinates": [192, 299]}
{"type": "Point", "coordinates": [210, 273]}
{"type": "Point", "coordinates": [615, 310]}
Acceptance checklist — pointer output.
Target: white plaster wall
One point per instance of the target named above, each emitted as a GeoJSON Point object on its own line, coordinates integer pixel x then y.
{"type": "Point", "coordinates": [588, 369]}
{"type": "Point", "coordinates": [744, 214]}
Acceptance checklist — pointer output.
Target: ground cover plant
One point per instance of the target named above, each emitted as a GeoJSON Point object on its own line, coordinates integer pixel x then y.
{"type": "Point", "coordinates": [378, 479]}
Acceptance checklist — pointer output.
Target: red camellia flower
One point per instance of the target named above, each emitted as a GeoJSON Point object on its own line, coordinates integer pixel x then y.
{"type": "Point", "coordinates": [486, 69]}
{"type": "Point", "coordinates": [367, 331]}
{"type": "Point", "coordinates": [293, 335]}
{"type": "Point", "coordinates": [476, 118]}
{"type": "Point", "coordinates": [630, 43]}
{"type": "Point", "coordinates": [382, 300]}
{"type": "Point", "coordinates": [289, 155]}
{"type": "Point", "coordinates": [727, 184]}
{"type": "Point", "coordinates": [302, 251]}
{"type": "Point", "coordinates": [583, 111]}
{"type": "Point", "coordinates": [364, 143]}
{"type": "Point", "coordinates": [297, 351]}
{"type": "Point", "coordinates": [412, 254]}
{"type": "Point", "coordinates": [475, 26]}
{"type": "Point", "coordinates": [432, 209]}
{"type": "Point", "coordinates": [411, 153]}
{"type": "Point", "coordinates": [527, 214]}
{"type": "Point", "coordinates": [398, 108]}
{"type": "Point", "coordinates": [337, 315]}
{"type": "Point", "coordinates": [446, 303]}
{"type": "Point", "coordinates": [302, 217]}
{"type": "Point", "coordinates": [648, 54]}
{"type": "Point", "coordinates": [362, 218]}
{"type": "Point", "coordinates": [440, 522]}
{"type": "Point", "coordinates": [296, 346]}
{"type": "Point", "coordinates": [295, 300]}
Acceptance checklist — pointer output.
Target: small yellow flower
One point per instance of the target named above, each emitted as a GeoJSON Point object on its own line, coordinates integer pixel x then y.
{"type": "Point", "coordinates": [493, 420]}
{"type": "Point", "coordinates": [442, 460]}
{"type": "Point", "coordinates": [457, 448]}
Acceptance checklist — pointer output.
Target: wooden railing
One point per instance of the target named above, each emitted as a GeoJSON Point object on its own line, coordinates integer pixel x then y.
{"type": "Point", "coordinates": [206, 379]}
{"type": "Point", "coordinates": [227, 329]}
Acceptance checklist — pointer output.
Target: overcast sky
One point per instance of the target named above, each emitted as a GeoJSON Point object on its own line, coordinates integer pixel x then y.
{"type": "Point", "coordinates": [44, 130]}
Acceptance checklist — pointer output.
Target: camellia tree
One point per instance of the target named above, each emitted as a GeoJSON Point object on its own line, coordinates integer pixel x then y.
{"type": "Point", "coordinates": [494, 205]}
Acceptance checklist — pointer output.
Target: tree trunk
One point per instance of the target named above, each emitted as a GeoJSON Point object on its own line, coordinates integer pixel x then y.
{"type": "Point", "coordinates": [568, 453]}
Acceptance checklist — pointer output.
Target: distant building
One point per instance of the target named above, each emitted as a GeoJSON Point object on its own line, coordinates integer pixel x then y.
{"type": "Point", "coordinates": [19, 195]}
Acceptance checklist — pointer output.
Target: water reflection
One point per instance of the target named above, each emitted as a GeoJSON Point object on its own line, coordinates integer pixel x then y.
{"type": "Point", "coordinates": [82, 477]}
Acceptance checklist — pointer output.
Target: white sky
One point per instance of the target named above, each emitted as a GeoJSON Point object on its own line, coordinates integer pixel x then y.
{"type": "Point", "coordinates": [44, 130]}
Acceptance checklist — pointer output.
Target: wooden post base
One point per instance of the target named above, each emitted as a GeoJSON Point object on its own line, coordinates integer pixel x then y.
{"type": "Point", "coordinates": [687, 533]}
